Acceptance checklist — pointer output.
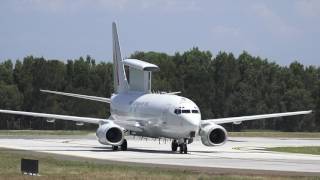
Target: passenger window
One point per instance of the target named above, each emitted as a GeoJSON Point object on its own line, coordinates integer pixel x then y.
{"type": "Point", "coordinates": [195, 111]}
{"type": "Point", "coordinates": [185, 111]}
{"type": "Point", "coordinates": [177, 111]}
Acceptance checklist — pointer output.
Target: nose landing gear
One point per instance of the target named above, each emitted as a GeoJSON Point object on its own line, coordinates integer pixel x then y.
{"type": "Point", "coordinates": [183, 148]}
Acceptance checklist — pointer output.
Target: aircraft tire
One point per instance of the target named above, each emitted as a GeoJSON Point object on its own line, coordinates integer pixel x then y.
{"type": "Point", "coordinates": [181, 148]}
{"type": "Point", "coordinates": [174, 146]}
{"type": "Point", "coordinates": [114, 148]}
{"type": "Point", "coordinates": [124, 145]}
{"type": "Point", "coordinates": [185, 148]}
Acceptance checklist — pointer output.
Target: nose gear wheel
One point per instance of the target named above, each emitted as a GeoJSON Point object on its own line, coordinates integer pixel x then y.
{"type": "Point", "coordinates": [183, 148]}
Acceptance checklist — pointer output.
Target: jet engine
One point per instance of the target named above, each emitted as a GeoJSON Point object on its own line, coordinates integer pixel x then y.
{"type": "Point", "coordinates": [110, 134]}
{"type": "Point", "coordinates": [213, 135]}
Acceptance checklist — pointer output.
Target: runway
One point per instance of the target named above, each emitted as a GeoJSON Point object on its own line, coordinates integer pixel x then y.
{"type": "Point", "coordinates": [237, 153]}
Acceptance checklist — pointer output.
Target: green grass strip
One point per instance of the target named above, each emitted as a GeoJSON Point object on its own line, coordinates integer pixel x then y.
{"type": "Point", "coordinates": [51, 168]}
{"type": "Point", "coordinates": [272, 134]}
{"type": "Point", "coordinates": [302, 150]}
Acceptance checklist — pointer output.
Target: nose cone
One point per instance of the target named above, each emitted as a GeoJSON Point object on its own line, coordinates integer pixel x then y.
{"type": "Point", "coordinates": [192, 121]}
{"type": "Point", "coordinates": [190, 114]}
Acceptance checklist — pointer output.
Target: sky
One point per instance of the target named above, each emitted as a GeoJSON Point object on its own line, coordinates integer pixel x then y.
{"type": "Point", "coordinates": [281, 31]}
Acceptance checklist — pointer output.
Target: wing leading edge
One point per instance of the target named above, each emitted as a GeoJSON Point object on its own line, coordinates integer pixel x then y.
{"type": "Point", "coordinates": [254, 117]}
{"type": "Point", "coordinates": [128, 125]}
{"type": "Point", "coordinates": [56, 116]}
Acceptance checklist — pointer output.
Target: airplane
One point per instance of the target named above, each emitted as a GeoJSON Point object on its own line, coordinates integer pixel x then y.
{"type": "Point", "coordinates": [136, 110]}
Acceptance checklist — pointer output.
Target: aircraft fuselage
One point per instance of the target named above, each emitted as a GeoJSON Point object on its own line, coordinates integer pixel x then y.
{"type": "Point", "coordinates": [159, 115]}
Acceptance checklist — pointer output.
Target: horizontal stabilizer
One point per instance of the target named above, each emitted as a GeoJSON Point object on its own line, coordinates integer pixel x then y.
{"type": "Point", "coordinates": [173, 93]}
{"type": "Point", "coordinates": [92, 98]}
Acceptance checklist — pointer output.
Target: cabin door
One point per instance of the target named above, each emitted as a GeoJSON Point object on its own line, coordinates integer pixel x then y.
{"type": "Point", "coordinates": [166, 115]}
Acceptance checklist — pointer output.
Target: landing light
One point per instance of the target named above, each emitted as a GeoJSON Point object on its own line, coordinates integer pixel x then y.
{"type": "Point", "coordinates": [237, 122]}
{"type": "Point", "coordinates": [79, 123]}
{"type": "Point", "coordinates": [51, 120]}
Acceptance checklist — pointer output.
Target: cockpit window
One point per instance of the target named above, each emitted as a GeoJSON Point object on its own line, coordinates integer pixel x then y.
{"type": "Point", "coordinates": [195, 111]}
{"type": "Point", "coordinates": [177, 111]}
{"type": "Point", "coordinates": [185, 111]}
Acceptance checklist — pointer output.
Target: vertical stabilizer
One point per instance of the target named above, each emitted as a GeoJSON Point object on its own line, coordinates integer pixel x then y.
{"type": "Point", "coordinates": [120, 80]}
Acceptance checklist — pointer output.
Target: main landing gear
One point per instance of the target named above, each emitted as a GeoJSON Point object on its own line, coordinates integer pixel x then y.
{"type": "Point", "coordinates": [174, 145]}
{"type": "Point", "coordinates": [183, 149]}
{"type": "Point", "coordinates": [123, 146]}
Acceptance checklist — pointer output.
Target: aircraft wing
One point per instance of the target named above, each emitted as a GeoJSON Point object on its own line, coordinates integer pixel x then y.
{"type": "Point", "coordinates": [55, 116]}
{"type": "Point", "coordinates": [93, 98]}
{"type": "Point", "coordinates": [238, 120]}
{"type": "Point", "coordinates": [129, 125]}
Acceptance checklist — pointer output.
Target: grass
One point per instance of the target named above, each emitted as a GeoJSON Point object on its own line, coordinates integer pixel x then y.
{"type": "Point", "coordinates": [42, 132]}
{"type": "Point", "coordinates": [302, 150]}
{"type": "Point", "coordinates": [269, 133]}
{"type": "Point", "coordinates": [51, 168]}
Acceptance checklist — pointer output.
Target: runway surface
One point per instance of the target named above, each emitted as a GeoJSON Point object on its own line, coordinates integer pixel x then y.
{"type": "Point", "coordinates": [237, 153]}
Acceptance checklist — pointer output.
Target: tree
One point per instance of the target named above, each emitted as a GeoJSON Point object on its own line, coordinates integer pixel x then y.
{"type": "Point", "coordinates": [221, 85]}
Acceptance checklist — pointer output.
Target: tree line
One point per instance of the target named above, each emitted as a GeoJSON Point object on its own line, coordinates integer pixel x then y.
{"type": "Point", "coordinates": [221, 85]}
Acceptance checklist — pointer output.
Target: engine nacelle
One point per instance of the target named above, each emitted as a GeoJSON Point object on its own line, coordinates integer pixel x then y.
{"type": "Point", "coordinates": [213, 135]}
{"type": "Point", "coordinates": [110, 134]}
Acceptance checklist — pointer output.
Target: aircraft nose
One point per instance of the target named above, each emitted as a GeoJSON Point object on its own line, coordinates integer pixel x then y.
{"type": "Point", "coordinates": [193, 121]}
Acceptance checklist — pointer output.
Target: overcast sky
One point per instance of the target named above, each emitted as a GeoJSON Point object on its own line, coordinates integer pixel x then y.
{"type": "Point", "coordinates": [282, 31]}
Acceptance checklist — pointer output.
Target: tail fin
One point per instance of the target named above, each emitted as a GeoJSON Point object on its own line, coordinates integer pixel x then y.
{"type": "Point", "coordinates": [120, 80]}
